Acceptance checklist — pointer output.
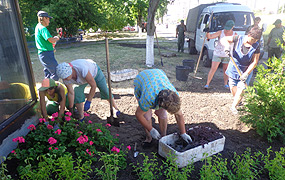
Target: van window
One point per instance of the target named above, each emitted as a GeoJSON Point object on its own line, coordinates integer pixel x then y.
{"type": "Point", "coordinates": [206, 19]}
{"type": "Point", "coordinates": [200, 21]}
{"type": "Point", "coordinates": [242, 20]}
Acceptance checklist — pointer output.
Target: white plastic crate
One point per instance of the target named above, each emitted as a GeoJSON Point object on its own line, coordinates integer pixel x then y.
{"type": "Point", "coordinates": [123, 75]}
{"type": "Point", "coordinates": [191, 155]}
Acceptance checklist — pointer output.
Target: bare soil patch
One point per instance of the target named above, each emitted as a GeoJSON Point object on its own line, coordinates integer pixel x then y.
{"type": "Point", "coordinates": [206, 108]}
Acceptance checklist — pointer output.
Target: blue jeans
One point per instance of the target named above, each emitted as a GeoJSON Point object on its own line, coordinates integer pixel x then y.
{"type": "Point", "coordinates": [239, 83]}
{"type": "Point", "coordinates": [49, 62]}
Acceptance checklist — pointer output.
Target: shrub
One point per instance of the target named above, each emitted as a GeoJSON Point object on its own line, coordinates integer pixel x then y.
{"type": "Point", "coordinates": [214, 168]}
{"type": "Point", "coordinates": [53, 167]}
{"type": "Point", "coordinates": [276, 166]}
{"type": "Point", "coordinates": [245, 166]}
{"type": "Point", "coordinates": [149, 169]}
{"type": "Point", "coordinates": [264, 109]}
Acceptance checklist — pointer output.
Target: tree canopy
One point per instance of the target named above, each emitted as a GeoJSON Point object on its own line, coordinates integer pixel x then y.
{"type": "Point", "coordinates": [108, 15]}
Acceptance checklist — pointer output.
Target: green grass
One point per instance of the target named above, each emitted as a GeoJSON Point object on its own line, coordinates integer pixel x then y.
{"type": "Point", "coordinates": [120, 57]}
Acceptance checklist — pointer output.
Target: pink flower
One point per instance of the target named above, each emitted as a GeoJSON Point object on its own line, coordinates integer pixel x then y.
{"type": "Point", "coordinates": [32, 127]}
{"type": "Point", "coordinates": [80, 132]}
{"type": "Point", "coordinates": [42, 120]}
{"type": "Point", "coordinates": [129, 147]}
{"type": "Point", "coordinates": [98, 130]}
{"type": "Point", "coordinates": [91, 142]}
{"type": "Point", "coordinates": [51, 140]}
{"type": "Point", "coordinates": [82, 139]}
{"type": "Point", "coordinates": [67, 118]}
{"type": "Point", "coordinates": [86, 114]}
{"type": "Point", "coordinates": [58, 131]}
{"type": "Point", "coordinates": [108, 125]}
{"type": "Point", "coordinates": [90, 122]}
{"type": "Point", "coordinates": [68, 113]}
{"type": "Point", "coordinates": [56, 148]}
{"type": "Point", "coordinates": [49, 126]}
{"type": "Point", "coordinates": [55, 115]}
{"type": "Point", "coordinates": [20, 139]}
{"type": "Point", "coordinates": [49, 148]}
{"type": "Point", "coordinates": [115, 149]}
{"type": "Point", "coordinates": [52, 119]}
{"type": "Point", "coordinates": [117, 134]}
{"type": "Point", "coordinates": [14, 152]}
{"type": "Point", "coordinates": [89, 152]}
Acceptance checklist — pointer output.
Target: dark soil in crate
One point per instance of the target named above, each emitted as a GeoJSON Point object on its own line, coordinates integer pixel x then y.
{"type": "Point", "coordinates": [200, 136]}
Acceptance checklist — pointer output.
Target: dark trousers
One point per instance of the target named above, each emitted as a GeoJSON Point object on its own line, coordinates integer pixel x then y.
{"type": "Point", "coordinates": [181, 40]}
{"type": "Point", "coordinates": [49, 62]}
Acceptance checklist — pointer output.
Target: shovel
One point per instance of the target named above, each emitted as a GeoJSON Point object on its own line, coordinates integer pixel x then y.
{"type": "Point", "coordinates": [135, 151]}
{"type": "Point", "coordinates": [111, 120]}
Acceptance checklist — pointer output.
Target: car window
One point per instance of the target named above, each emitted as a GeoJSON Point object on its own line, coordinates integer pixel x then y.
{"type": "Point", "coordinates": [242, 20]}
{"type": "Point", "coordinates": [200, 21]}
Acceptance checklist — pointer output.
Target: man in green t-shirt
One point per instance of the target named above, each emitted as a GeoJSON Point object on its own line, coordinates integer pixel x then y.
{"type": "Point", "coordinates": [44, 43]}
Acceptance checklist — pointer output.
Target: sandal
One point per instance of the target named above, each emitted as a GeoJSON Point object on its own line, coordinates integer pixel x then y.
{"type": "Point", "coordinates": [206, 87]}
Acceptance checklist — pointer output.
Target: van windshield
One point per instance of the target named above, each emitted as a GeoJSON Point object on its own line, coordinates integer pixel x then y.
{"type": "Point", "coordinates": [242, 20]}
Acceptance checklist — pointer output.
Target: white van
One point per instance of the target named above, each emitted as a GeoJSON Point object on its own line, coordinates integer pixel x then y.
{"type": "Point", "coordinates": [198, 19]}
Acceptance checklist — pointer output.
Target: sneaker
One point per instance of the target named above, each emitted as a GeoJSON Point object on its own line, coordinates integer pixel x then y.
{"type": "Point", "coordinates": [227, 86]}
{"type": "Point", "coordinates": [234, 110]}
{"type": "Point", "coordinates": [206, 87]}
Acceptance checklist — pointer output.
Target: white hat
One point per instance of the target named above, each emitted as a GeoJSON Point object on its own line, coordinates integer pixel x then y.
{"type": "Point", "coordinates": [63, 70]}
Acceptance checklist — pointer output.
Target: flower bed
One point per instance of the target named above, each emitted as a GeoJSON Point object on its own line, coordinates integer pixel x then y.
{"type": "Point", "coordinates": [60, 142]}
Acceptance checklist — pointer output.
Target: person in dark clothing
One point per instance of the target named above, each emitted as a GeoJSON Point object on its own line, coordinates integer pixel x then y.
{"type": "Point", "coordinates": [180, 30]}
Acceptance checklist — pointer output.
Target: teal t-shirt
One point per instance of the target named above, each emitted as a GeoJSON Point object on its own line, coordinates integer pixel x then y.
{"type": "Point", "coordinates": [148, 84]}
{"type": "Point", "coordinates": [41, 36]}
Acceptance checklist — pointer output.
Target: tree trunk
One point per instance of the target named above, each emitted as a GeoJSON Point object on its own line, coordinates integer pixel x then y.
{"type": "Point", "coordinates": [153, 4]}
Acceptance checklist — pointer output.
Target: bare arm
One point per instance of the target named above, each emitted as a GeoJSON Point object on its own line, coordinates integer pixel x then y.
{"type": "Point", "coordinates": [90, 80]}
{"type": "Point", "coordinates": [53, 39]}
{"type": "Point", "coordinates": [140, 117]}
{"type": "Point", "coordinates": [70, 95]}
{"type": "Point", "coordinates": [62, 102]}
{"type": "Point", "coordinates": [43, 104]}
{"type": "Point", "coordinates": [176, 31]}
{"type": "Point", "coordinates": [214, 35]}
{"type": "Point", "coordinates": [180, 121]}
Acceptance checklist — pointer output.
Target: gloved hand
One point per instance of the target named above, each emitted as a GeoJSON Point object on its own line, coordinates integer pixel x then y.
{"type": "Point", "coordinates": [154, 134]}
{"type": "Point", "coordinates": [244, 77]}
{"type": "Point", "coordinates": [207, 29]}
{"type": "Point", "coordinates": [186, 137]}
{"type": "Point", "coordinates": [87, 105]}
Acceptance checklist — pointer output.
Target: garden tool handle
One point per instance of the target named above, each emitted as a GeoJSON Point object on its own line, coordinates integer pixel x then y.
{"type": "Point", "coordinates": [201, 52]}
{"type": "Point", "coordinates": [238, 70]}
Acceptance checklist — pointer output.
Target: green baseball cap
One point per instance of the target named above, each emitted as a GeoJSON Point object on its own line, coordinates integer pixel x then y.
{"type": "Point", "coordinates": [229, 25]}
{"type": "Point", "coordinates": [47, 83]}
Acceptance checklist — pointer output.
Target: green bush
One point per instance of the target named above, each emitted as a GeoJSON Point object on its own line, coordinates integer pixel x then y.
{"type": "Point", "coordinates": [264, 109]}
{"type": "Point", "coordinates": [53, 167]}
{"type": "Point", "coordinates": [276, 166]}
{"type": "Point", "coordinates": [215, 168]}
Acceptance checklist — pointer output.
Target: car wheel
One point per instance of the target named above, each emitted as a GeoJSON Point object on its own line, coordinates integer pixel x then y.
{"type": "Point", "coordinates": [205, 59]}
{"type": "Point", "coordinates": [191, 47]}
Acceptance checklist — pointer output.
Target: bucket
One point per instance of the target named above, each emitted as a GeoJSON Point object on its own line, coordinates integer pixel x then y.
{"type": "Point", "coordinates": [182, 73]}
{"type": "Point", "coordinates": [189, 63]}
